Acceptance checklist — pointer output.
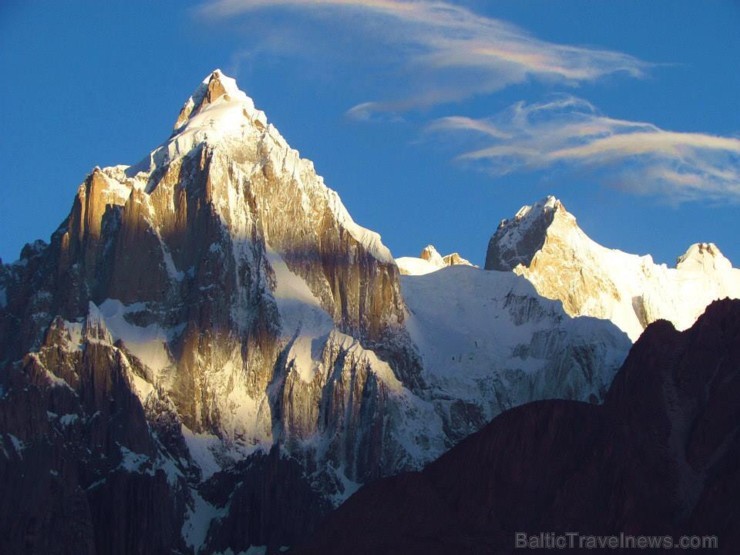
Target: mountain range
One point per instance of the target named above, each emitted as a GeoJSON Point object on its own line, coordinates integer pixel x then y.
{"type": "Point", "coordinates": [210, 354]}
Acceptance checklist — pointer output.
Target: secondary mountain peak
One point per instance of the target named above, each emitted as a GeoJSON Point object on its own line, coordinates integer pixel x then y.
{"type": "Point", "coordinates": [704, 257]}
{"type": "Point", "coordinates": [431, 255]}
{"type": "Point", "coordinates": [544, 243]}
{"type": "Point", "coordinates": [429, 261]}
{"type": "Point", "coordinates": [518, 239]}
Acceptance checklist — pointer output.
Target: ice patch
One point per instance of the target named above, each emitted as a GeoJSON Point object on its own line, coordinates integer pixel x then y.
{"type": "Point", "coordinates": [301, 355]}
{"type": "Point", "coordinates": [148, 344]}
{"type": "Point", "coordinates": [378, 367]}
{"type": "Point", "coordinates": [118, 188]}
{"type": "Point", "coordinates": [349, 487]}
{"type": "Point", "coordinates": [54, 380]}
{"type": "Point", "coordinates": [18, 445]}
{"type": "Point", "coordinates": [170, 469]}
{"type": "Point", "coordinates": [143, 464]}
{"type": "Point", "coordinates": [68, 419]}
{"type": "Point", "coordinates": [369, 239]}
{"type": "Point", "coordinates": [300, 313]}
{"type": "Point", "coordinates": [73, 339]}
{"type": "Point", "coordinates": [201, 448]}
{"type": "Point", "coordinates": [132, 462]}
{"type": "Point", "coordinates": [169, 263]}
{"type": "Point", "coordinates": [198, 520]}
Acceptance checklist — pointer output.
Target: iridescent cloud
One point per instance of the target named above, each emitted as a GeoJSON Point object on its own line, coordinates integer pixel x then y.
{"type": "Point", "coordinates": [570, 132]}
{"type": "Point", "coordinates": [446, 52]}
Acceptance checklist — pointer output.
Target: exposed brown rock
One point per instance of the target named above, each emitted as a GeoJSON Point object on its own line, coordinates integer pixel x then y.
{"type": "Point", "coordinates": [454, 259]}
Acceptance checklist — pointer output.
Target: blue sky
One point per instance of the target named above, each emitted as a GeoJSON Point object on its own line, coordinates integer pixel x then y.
{"type": "Point", "coordinates": [433, 120]}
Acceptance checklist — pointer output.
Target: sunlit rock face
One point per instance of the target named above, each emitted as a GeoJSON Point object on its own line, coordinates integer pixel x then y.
{"type": "Point", "coordinates": [544, 244]}
{"type": "Point", "coordinates": [212, 319]}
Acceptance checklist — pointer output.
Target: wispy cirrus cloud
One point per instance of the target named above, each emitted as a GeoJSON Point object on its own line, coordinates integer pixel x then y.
{"type": "Point", "coordinates": [636, 156]}
{"type": "Point", "coordinates": [432, 52]}
{"type": "Point", "coordinates": [442, 52]}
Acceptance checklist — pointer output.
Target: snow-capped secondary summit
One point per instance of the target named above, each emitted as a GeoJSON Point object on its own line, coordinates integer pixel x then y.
{"type": "Point", "coordinates": [429, 261]}
{"type": "Point", "coordinates": [518, 239]}
{"type": "Point", "coordinates": [703, 257]}
{"type": "Point", "coordinates": [544, 243]}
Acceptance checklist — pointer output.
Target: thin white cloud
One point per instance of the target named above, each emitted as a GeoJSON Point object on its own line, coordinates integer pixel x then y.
{"type": "Point", "coordinates": [636, 156]}
{"type": "Point", "coordinates": [442, 52]}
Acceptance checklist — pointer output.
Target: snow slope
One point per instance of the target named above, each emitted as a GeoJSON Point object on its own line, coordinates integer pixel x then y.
{"type": "Point", "coordinates": [489, 340]}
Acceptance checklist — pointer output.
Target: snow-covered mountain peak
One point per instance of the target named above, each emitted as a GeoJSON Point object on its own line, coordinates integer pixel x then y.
{"type": "Point", "coordinates": [224, 159]}
{"type": "Point", "coordinates": [214, 88]}
{"type": "Point", "coordinates": [544, 243]}
{"type": "Point", "coordinates": [518, 239]}
{"type": "Point", "coordinates": [221, 133]}
{"type": "Point", "coordinates": [217, 113]}
{"type": "Point", "coordinates": [431, 255]}
{"type": "Point", "coordinates": [429, 261]}
{"type": "Point", "coordinates": [542, 208]}
{"type": "Point", "coordinates": [703, 257]}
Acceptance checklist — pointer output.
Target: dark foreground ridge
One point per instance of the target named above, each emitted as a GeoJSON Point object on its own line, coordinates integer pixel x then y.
{"type": "Point", "coordinates": [661, 457]}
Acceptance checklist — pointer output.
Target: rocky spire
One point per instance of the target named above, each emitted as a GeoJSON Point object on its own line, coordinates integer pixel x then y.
{"type": "Point", "coordinates": [518, 239]}
{"type": "Point", "coordinates": [703, 257]}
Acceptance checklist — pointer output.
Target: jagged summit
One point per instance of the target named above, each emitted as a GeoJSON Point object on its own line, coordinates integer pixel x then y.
{"type": "Point", "coordinates": [703, 257]}
{"type": "Point", "coordinates": [518, 239]}
{"type": "Point", "coordinates": [215, 87]}
{"type": "Point", "coordinates": [429, 261]}
{"type": "Point", "coordinates": [218, 113]}
{"type": "Point", "coordinates": [544, 243]}
{"type": "Point", "coordinates": [431, 255]}
{"type": "Point", "coordinates": [220, 130]}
